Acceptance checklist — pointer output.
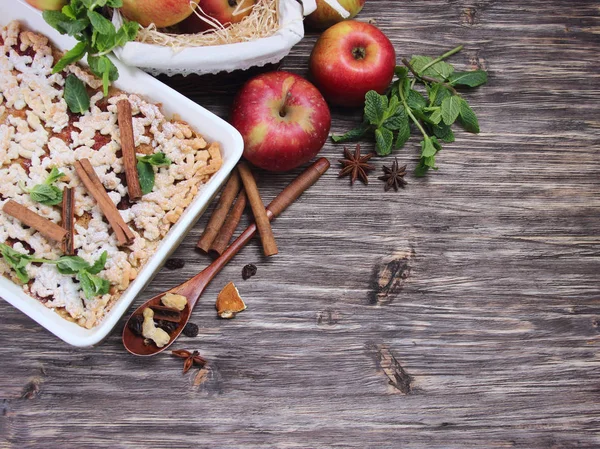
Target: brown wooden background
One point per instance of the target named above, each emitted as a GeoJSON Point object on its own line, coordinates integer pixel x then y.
{"type": "Point", "coordinates": [463, 312]}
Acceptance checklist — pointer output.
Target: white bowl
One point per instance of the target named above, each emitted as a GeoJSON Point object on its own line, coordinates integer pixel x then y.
{"type": "Point", "coordinates": [157, 59]}
{"type": "Point", "coordinates": [209, 125]}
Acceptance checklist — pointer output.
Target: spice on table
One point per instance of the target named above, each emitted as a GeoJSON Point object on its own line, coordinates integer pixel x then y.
{"type": "Point", "coordinates": [190, 330]}
{"type": "Point", "coordinates": [220, 213]}
{"type": "Point", "coordinates": [393, 176]}
{"type": "Point", "coordinates": [248, 271]}
{"type": "Point", "coordinates": [32, 219]}
{"type": "Point", "coordinates": [258, 210]}
{"type": "Point", "coordinates": [191, 359]}
{"type": "Point", "coordinates": [92, 183]}
{"type": "Point", "coordinates": [124, 118]}
{"type": "Point", "coordinates": [68, 220]}
{"type": "Point", "coordinates": [174, 301]}
{"type": "Point", "coordinates": [224, 236]}
{"type": "Point", "coordinates": [229, 302]}
{"type": "Point", "coordinates": [175, 264]}
{"type": "Point", "coordinates": [355, 165]}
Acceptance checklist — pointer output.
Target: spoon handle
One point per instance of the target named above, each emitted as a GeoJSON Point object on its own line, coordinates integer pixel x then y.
{"type": "Point", "coordinates": [193, 288]}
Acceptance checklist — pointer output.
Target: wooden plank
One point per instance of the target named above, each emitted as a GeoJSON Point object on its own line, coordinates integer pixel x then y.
{"type": "Point", "coordinates": [462, 312]}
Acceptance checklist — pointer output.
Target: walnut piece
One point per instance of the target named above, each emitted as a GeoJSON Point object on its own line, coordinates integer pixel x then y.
{"type": "Point", "coordinates": [229, 302]}
{"type": "Point", "coordinates": [149, 329]}
{"type": "Point", "coordinates": [174, 301]}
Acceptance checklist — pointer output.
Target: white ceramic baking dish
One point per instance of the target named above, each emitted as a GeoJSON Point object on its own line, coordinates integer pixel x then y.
{"type": "Point", "coordinates": [212, 127]}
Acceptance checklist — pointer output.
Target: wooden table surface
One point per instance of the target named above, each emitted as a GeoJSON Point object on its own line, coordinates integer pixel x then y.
{"type": "Point", "coordinates": [462, 312]}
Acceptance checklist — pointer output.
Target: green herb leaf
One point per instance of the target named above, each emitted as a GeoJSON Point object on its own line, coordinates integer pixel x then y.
{"type": "Point", "coordinates": [145, 176]}
{"type": "Point", "coordinates": [450, 109]}
{"type": "Point", "coordinates": [114, 3]}
{"type": "Point", "coordinates": [73, 55]}
{"type": "Point", "coordinates": [427, 148]}
{"type": "Point", "coordinates": [436, 116]}
{"type": "Point", "coordinates": [440, 70]}
{"type": "Point", "coordinates": [470, 79]}
{"type": "Point", "coordinates": [384, 139]}
{"type": "Point", "coordinates": [104, 68]}
{"type": "Point", "coordinates": [92, 285]}
{"type": "Point", "coordinates": [127, 32]}
{"type": "Point", "coordinates": [375, 107]}
{"type": "Point", "coordinates": [17, 261]}
{"type": "Point", "coordinates": [100, 23]}
{"type": "Point", "coordinates": [353, 134]}
{"type": "Point", "coordinates": [68, 11]}
{"type": "Point", "coordinates": [415, 100]}
{"type": "Point", "coordinates": [54, 19]}
{"type": "Point", "coordinates": [45, 194]}
{"type": "Point", "coordinates": [403, 132]}
{"type": "Point", "coordinates": [99, 264]}
{"type": "Point", "coordinates": [468, 119]}
{"type": "Point", "coordinates": [71, 264]}
{"type": "Point", "coordinates": [157, 159]}
{"type": "Point", "coordinates": [443, 132]}
{"type": "Point", "coordinates": [76, 95]}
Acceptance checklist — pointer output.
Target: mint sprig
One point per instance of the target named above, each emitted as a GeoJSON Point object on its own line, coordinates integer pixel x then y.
{"type": "Point", "coordinates": [46, 193]}
{"type": "Point", "coordinates": [145, 168]}
{"type": "Point", "coordinates": [91, 284]}
{"type": "Point", "coordinates": [388, 117]}
{"type": "Point", "coordinates": [97, 38]}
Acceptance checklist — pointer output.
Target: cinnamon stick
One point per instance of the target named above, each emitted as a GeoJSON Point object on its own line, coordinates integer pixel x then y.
{"type": "Point", "coordinates": [89, 178]}
{"type": "Point", "coordinates": [220, 213]}
{"type": "Point", "coordinates": [226, 232]}
{"type": "Point", "coordinates": [68, 220]}
{"type": "Point", "coordinates": [32, 219]}
{"type": "Point", "coordinates": [258, 209]}
{"type": "Point", "coordinates": [128, 149]}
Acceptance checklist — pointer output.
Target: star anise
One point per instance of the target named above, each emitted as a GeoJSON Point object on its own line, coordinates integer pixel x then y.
{"type": "Point", "coordinates": [191, 359]}
{"type": "Point", "coordinates": [355, 165]}
{"type": "Point", "coordinates": [394, 176]}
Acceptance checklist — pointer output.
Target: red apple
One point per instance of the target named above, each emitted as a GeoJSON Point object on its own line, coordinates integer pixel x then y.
{"type": "Point", "coordinates": [223, 11]}
{"type": "Point", "coordinates": [349, 59]}
{"type": "Point", "coordinates": [283, 119]}
{"type": "Point", "coordinates": [162, 13]}
{"type": "Point", "coordinates": [325, 16]}
{"type": "Point", "coordinates": [44, 5]}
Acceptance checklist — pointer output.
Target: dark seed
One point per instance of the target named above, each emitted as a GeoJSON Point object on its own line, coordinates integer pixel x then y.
{"type": "Point", "coordinates": [135, 324]}
{"type": "Point", "coordinates": [175, 264]}
{"type": "Point", "coordinates": [190, 330]}
{"type": "Point", "coordinates": [248, 271]}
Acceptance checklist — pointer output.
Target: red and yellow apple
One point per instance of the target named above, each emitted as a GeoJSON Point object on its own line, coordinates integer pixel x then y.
{"type": "Point", "coordinates": [283, 119]}
{"type": "Point", "coordinates": [349, 59]}
{"type": "Point", "coordinates": [47, 5]}
{"type": "Point", "coordinates": [325, 16]}
{"type": "Point", "coordinates": [162, 13]}
{"type": "Point", "coordinates": [225, 12]}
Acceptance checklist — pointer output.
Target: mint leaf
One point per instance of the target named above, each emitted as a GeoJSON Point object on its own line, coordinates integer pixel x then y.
{"type": "Point", "coordinates": [45, 194]}
{"type": "Point", "coordinates": [418, 62]}
{"type": "Point", "coordinates": [375, 107]}
{"type": "Point", "coordinates": [127, 32]}
{"type": "Point", "coordinates": [440, 70]}
{"type": "Point", "coordinates": [100, 23]}
{"type": "Point", "coordinates": [157, 159]}
{"type": "Point", "coordinates": [427, 148]}
{"type": "Point", "coordinates": [436, 116]}
{"type": "Point", "coordinates": [71, 264]}
{"type": "Point", "coordinates": [76, 95]}
{"type": "Point", "coordinates": [73, 55]}
{"type": "Point", "coordinates": [415, 100]}
{"type": "Point", "coordinates": [443, 132]}
{"type": "Point", "coordinates": [114, 3]}
{"type": "Point", "coordinates": [401, 72]}
{"type": "Point", "coordinates": [384, 139]}
{"type": "Point", "coordinates": [17, 261]}
{"type": "Point", "coordinates": [145, 176]}
{"type": "Point", "coordinates": [395, 115]}
{"type": "Point", "coordinates": [99, 264]}
{"type": "Point", "coordinates": [54, 19]}
{"type": "Point", "coordinates": [353, 134]}
{"type": "Point", "coordinates": [403, 132]}
{"type": "Point", "coordinates": [92, 285]}
{"type": "Point", "coordinates": [450, 108]}
{"type": "Point", "coordinates": [104, 68]}
{"type": "Point", "coordinates": [468, 119]}
{"type": "Point", "coordinates": [469, 79]}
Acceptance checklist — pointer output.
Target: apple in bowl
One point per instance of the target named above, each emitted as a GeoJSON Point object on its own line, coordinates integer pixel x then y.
{"type": "Point", "coordinates": [162, 13]}
{"type": "Point", "coordinates": [47, 5]}
{"type": "Point", "coordinates": [325, 16]}
{"type": "Point", "coordinates": [225, 12]}
{"type": "Point", "coordinates": [350, 59]}
{"type": "Point", "coordinates": [283, 119]}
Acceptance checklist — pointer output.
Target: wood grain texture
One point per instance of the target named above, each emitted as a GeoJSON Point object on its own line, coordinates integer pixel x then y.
{"type": "Point", "coordinates": [462, 312]}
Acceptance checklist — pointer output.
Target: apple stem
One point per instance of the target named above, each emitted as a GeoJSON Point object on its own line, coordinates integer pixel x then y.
{"type": "Point", "coordinates": [441, 58]}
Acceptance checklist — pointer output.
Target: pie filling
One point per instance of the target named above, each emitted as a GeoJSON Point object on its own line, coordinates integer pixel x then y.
{"type": "Point", "coordinates": [38, 132]}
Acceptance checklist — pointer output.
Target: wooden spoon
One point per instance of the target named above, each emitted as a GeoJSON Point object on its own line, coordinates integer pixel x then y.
{"type": "Point", "coordinates": [193, 288]}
